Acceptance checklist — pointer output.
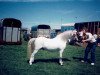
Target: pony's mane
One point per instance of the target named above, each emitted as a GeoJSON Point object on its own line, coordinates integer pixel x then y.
{"type": "Point", "coordinates": [65, 35]}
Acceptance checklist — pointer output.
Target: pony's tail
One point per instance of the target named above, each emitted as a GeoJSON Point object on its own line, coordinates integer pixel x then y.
{"type": "Point", "coordinates": [30, 48]}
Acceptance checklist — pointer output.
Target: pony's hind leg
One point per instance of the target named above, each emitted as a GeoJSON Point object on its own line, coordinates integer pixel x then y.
{"type": "Point", "coordinates": [32, 56]}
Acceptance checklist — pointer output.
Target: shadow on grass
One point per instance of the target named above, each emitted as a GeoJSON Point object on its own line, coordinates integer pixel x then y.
{"type": "Point", "coordinates": [55, 60]}
{"type": "Point", "coordinates": [79, 59]}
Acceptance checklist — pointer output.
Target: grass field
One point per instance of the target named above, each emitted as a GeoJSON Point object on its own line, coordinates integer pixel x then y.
{"type": "Point", "coordinates": [13, 61]}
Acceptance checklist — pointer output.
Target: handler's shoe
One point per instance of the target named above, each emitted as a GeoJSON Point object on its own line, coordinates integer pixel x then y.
{"type": "Point", "coordinates": [92, 63]}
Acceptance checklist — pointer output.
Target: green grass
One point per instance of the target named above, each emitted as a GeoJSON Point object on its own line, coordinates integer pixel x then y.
{"type": "Point", "coordinates": [13, 61]}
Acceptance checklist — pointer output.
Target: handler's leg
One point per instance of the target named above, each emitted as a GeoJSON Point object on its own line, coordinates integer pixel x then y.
{"type": "Point", "coordinates": [93, 54]}
{"type": "Point", "coordinates": [87, 50]}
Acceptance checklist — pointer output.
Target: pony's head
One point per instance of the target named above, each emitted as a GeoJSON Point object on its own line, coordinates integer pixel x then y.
{"type": "Point", "coordinates": [74, 33]}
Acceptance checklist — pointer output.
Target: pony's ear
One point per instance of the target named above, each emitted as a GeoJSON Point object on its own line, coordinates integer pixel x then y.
{"type": "Point", "coordinates": [74, 32]}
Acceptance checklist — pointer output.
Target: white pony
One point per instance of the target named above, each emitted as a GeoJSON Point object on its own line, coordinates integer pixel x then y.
{"type": "Point", "coordinates": [57, 43]}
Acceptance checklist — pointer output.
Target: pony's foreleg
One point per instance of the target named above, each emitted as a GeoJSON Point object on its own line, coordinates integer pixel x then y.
{"type": "Point", "coordinates": [32, 57]}
{"type": "Point", "coordinates": [60, 59]}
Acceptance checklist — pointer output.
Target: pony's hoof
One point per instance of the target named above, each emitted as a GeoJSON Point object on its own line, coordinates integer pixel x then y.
{"type": "Point", "coordinates": [30, 63]}
{"type": "Point", "coordinates": [61, 64]}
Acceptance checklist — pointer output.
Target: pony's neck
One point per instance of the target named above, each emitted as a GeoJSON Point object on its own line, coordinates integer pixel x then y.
{"type": "Point", "coordinates": [64, 36]}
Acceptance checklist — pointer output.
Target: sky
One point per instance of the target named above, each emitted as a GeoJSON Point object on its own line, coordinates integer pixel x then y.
{"type": "Point", "coordinates": [51, 12]}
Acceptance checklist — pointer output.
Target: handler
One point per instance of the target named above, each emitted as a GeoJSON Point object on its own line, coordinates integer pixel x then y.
{"type": "Point", "coordinates": [91, 47]}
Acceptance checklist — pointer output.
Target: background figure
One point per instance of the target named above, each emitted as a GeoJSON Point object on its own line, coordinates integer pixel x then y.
{"type": "Point", "coordinates": [90, 48]}
{"type": "Point", "coordinates": [25, 36]}
{"type": "Point", "coordinates": [98, 40]}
